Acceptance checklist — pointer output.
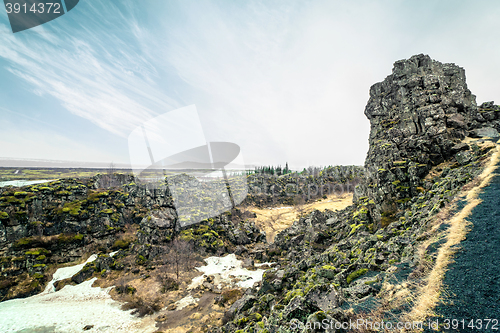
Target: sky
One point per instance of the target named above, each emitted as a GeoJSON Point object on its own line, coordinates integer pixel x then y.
{"type": "Point", "coordinates": [287, 81]}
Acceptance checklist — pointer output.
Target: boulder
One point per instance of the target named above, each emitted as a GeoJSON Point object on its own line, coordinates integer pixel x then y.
{"type": "Point", "coordinates": [323, 297]}
{"type": "Point", "coordinates": [298, 308]}
{"type": "Point", "coordinates": [485, 132]}
{"type": "Point", "coordinates": [239, 306]}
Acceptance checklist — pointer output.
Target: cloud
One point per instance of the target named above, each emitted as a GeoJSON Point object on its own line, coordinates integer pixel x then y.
{"type": "Point", "coordinates": [286, 81]}
{"type": "Point", "coordinates": [95, 74]}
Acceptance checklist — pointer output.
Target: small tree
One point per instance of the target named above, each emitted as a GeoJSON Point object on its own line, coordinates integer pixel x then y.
{"type": "Point", "coordinates": [111, 168]}
{"type": "Point", "coordinates": [179, 256]}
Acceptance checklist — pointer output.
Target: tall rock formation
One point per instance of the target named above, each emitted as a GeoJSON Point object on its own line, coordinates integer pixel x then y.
{"type": "Point", "coordinates": [418, 115]}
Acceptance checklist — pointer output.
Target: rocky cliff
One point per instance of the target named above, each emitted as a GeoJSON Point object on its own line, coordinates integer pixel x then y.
{"type": "Point", "coordinates": [45, 225]}
{"type": "Point", "coordinates": [418, 116]}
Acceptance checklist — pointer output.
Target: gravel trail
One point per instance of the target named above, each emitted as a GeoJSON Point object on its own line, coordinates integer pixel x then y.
{"type": "Point", "coordinates": [472, 282]}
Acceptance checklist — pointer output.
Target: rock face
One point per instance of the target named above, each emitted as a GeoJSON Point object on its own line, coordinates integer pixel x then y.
{"type": "Point", "coordinates": [417, 115]}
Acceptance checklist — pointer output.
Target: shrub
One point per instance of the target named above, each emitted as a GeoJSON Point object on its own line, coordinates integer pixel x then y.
{"type": "Point", "coordinates": [169, 284]}
{"type": "Point", "coordinates": [6, 283]}
{"type": "Point", "coordinates": [228, 296]}
{"type": "Point", "coordinates": [141, 306]}
{"type": "Point", "coordinates": [125, 289]}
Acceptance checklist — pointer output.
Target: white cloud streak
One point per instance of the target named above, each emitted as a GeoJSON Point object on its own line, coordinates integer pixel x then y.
{"type": "Point", "coordinates": [94, 74]}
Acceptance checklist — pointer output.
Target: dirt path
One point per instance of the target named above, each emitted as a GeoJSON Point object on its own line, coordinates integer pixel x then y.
{"type": "Point", "coordinates": [472, 283]}
{"type": "Point", "coordinates": [273, 220]}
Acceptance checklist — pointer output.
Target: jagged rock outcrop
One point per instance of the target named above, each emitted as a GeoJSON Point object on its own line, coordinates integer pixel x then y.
{"type": "Point", "coordinates": [418, 115]}
{"type": "Point", "coordinates": [294, 188]}
{"type": "Point", "coordinates": [488, 115]}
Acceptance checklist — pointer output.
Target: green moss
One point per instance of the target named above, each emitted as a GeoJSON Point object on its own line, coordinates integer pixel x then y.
{"type": "Point", "coordinates": [89, 266]}
{"type": "Point", "coordinates": [354, 275]}
{"type": "Point", "coordinates": [23, 242]}
{"type": "Point", "coordinates": [187, 235]}
{"type": "Point", "coordinates": [107, 211]}
{"type": "Point", "coordinates": [95, 196]}
{"type": "Point", "coordinates": [328, 267]}
{"type": "Point", "coordinates": [217, 243]}
{"type": "Point", "coordinates": [396, 182]}
{"type": "Point", "coordinates": [62, 238]}
{"type": "Point", "coordinates": [39, 265]}
{"type": "Point", "coordinates": [293, 293]}
{"type": "Point", "coordinates": [121, 244]}
{"type": "Point", "coordinates": [241, 321]}
{"type": "Point", "coordinates": [355, 228]}
{"type": "Point", "coordinates": [37, 252]}
{"type": "Point", "coordinates": [73, 208]}
{"type": "Point", "coordinates": [42, 257]}
{"type": "Point", "coordinates": [4, 216]}
{"type": "Point", "coordinates": [45, 188]}
{"type": "Point", "coordinates": [115, 217]}
{"type": "Point", "coordinates": [38, 276]}
{"type": "Point", "coordinates": [140, 260]}
{"type": "Point", "coordinates": [359, 212]}
{"type": "Point", "coordinates": [63, 193]}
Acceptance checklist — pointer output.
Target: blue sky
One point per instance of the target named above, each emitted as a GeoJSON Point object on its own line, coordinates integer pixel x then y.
{"type": "Point", "coordinates": [285, 80]}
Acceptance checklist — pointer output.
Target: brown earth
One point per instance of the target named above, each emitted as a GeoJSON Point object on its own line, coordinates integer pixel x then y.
{"type": "Point", "coordinates": [273, 220]}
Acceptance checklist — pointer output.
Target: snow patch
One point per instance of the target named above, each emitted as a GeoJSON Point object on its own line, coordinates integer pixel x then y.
{"type": "Point", "coordinates": [188, 300]}
{"type": "Point", "coordinates": [69, 309]}
{"type": "Point", "coordinates": [227, 270]}
{"type": "Point", "coordinates": [66, 273]}
{"type": "Point", "coordinates": [21, 183]}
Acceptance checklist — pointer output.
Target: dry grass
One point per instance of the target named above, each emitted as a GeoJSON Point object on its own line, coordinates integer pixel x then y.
{"type": "Point", "coordinates": [430, 294]}
{"type": "Point", "coordinates": [274, 220]}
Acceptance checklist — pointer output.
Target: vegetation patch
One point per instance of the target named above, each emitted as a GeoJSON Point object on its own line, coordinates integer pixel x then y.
{"type": "Point", "coordinates": [354, 275]}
